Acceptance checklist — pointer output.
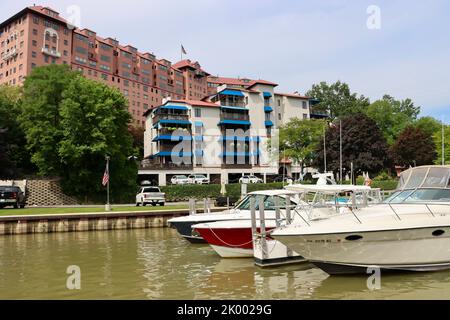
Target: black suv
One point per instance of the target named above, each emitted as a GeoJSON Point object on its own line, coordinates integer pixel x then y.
{"type": "Point", "coordinates": [11, 196]}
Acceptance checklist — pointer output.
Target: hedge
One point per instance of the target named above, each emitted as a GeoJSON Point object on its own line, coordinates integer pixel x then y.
{"type": "Point", "coordinates": [199, 192]}
{"type": "Point", "coordinates": [176, 193]}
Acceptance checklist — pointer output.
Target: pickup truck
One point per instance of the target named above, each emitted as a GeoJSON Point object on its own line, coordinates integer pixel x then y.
{"type": "Point", "coordinates": [11, 196]}
{"type": "Point", "coordinates": [150, 195]}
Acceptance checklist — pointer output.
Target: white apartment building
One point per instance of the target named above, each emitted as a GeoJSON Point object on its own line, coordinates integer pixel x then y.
{"type": "Point", "coordinates": [228, 135]}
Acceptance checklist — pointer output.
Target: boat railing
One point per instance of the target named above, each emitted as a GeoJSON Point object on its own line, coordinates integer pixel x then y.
{"type": "Point", "coordinates": [428, 206]}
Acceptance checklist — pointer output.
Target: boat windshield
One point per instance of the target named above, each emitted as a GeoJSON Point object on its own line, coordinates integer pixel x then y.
{"type": "Point", "coordinates": [420, 195]}
{"type": "Point", "coordinates": [269, 202]}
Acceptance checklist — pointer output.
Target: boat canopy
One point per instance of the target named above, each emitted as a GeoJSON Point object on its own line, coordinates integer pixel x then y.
{"type": "Point", "coordinates": [335, 188]}
{"type": "Point", "coordinates": [425, 177]}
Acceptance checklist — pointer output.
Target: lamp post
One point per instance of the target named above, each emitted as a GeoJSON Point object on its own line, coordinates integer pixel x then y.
{"type": "Point", "coordinates": [108, 205]}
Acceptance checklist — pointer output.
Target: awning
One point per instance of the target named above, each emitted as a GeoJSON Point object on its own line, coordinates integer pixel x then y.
{"type": "Point", "coordinates": [235, 138]}
{"type": "Point", "coordinates": [268, 109]}
{"type": "Point", "coordinates": [199, 153]}
{"type": "Point", "coordinates": [172, 138]}
{"type": "Point", "coordinates": [267, 95]}
{"type": "Point", "coordinates": [174, 107]}
{"type": "Point", "coordinates": [235, 122]}
{"type": "Point", "coordinates": [173, 154]}
{"type": "Point", "coordinates": [170, 121]}
{"type": "Point", "coordinates": [234, 108]}
{"type": "Point", "coordinates": [235, 154]}
{"type": "Point", "coordinates": [269, 124]}
{"type": "Point", "coordinates": [232, 93]}
{"type": "Point", "coordinates": [199, 124]}
{"type": "Point", "coordinates": [198, 138]}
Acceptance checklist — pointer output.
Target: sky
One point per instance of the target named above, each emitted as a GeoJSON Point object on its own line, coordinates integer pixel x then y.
{"type": "Point", "coordinates": [378, 47]}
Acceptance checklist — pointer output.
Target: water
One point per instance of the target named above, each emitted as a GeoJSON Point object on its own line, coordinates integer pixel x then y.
{"type": "Point", "coordinates": [157, 264]}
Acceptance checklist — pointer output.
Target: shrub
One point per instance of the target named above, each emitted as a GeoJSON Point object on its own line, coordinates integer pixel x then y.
{"type": "Point", "coordinates": [199, 192]}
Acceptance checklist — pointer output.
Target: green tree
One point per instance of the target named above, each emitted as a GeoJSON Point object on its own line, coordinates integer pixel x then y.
{"type": "Point", "coordinates": [14, 157]}
{"type": "Point", "coordinates": [392, 116]}
{"type": "Point", "coordinates": [337, 99]}
{"type": "Point", "coordinates": [414, 148]}
{"type": "Point", "coordinates": [95, 120]}
{"type": "Point", "coordinates": [41, 119]}
{"type": "Point", "coordinates": [362, 143]}
{"type": "Point", "coordinates": [299, 139]}
{"type": "Point", "coordinates": [138, 139]}
{"type": "Point", "coordinates": [429, 125]}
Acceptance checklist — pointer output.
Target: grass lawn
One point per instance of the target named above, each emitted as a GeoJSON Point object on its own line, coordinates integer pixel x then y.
{"type": "Point", "coordinates": [38, 211]}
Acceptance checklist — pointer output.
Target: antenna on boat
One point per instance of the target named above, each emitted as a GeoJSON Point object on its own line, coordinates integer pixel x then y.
{"type": "Point", "coordinates": [340, 149]}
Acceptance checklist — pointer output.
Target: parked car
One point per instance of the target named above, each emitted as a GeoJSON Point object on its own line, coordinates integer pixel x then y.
{"type": "Point", "coordinates": [150, 195]}
{"type": "Point", "coordinates": [11, 196]}
{"type": "Point", "coordinates": [250, 179]}
{"type": "Point", "coordinates": [181, 180]}
{"type": "Point", "coordinates": [286, 179]}
{"type": "Point", "coordinates": [198, 179]}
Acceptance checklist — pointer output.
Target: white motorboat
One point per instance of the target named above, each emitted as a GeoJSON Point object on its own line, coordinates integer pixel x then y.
{"type": "Point", "coordinates": [240, 212]}
{"type": "Point", "coordinates": [234, 238]}
{"type": "Point", "coordinates": [409, 231]}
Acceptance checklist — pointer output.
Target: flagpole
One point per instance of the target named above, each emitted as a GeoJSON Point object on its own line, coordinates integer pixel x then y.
{"type": "Point", "coordinates": [443, 144]}
{"type": "Point", "coordinates": [108, 205]}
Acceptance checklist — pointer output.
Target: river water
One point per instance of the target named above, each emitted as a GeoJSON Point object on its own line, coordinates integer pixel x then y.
{"type": "Point", "coordinates": [158, 264]}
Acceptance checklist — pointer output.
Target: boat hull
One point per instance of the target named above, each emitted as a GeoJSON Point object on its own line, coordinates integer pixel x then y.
{"type": "Point", "coordinates": [184, 228]}
{"type": "Point", "coordinates": [415, 249]}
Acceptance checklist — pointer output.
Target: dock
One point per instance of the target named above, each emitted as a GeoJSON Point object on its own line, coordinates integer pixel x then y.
{"type": "Point", "coordinates": [83, 222]}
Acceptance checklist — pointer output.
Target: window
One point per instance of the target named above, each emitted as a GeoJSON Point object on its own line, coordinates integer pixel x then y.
{"type": "Point", "coordinates": [81, 50]}
{"type": "Point", "coordinates": [305, 116]}
{"type": "Point", "coordinates": [35, 20]}
{"type": "Point", "coordinates": [126, 83]}
{"type": "Point", "coordinates": [105, 58]}
{"type": "Point", "coordinates": [34, 43]}
{"type": "Point", "coordinates": [66, 42]}
{"type": "Point", "coordinates": [35, 32]}
{"type": "Point", "coordinates": [104, 76]}
{"type": "Point", "coordinates": [280, 117]}
{"type": "Point", "coordinates": [198, 112]}
{"type": "Point", "coordinates": [305, 105]}
{"type": "Point", "coordinates": [33, 54]}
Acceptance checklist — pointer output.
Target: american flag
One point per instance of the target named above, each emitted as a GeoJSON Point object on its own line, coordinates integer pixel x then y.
{"type": "Point", "coordinates": [183, 50]}
{"type": "Point", "coordinates": [105, 177]}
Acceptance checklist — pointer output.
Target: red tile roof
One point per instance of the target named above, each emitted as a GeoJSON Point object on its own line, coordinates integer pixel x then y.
{"type": "Point", "coordinates": [41, 10]}
{"type": "Point", "coordinates": [246, 83]}
{"type": "Point", "coordinates": [293, 95]}
{"type": "Point", "coordinates": [188, 64]}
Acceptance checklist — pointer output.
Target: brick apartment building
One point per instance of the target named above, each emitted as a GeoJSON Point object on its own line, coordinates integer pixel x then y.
{"type": "Point", "coordinates": [38, 36]}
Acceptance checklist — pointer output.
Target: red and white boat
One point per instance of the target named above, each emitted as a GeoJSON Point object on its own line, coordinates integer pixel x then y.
{"type": "Point", "coordinates": [231, 239]}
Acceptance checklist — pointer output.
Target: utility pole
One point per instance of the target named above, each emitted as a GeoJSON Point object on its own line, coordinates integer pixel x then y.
{"type": "Point", "coordinates": [324, 150]}
{"type": "Point", "coordinates": [340, 149]}
{"type": "Point", "coordinates": [443, 144]}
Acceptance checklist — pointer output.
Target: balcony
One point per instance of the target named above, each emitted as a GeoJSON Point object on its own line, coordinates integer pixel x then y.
{"type": "Point", "coordinates": [235, 116]}
{"type": "Point", "coordinates": [51, 52]}
{"type": "Point", "coordinates": [149, 165]}
{"type": "Point", "coordinates": [172, 118]}
{"type": "Point", "coordinates": [10, 54]}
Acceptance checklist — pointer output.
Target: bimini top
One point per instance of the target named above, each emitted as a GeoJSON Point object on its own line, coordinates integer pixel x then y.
{"type": "Point", "coordinates": [334, 188]}
{"type": "Point", "coordinates": [428, 184]}
{"type": "Point", "coordinates": [425, 177]}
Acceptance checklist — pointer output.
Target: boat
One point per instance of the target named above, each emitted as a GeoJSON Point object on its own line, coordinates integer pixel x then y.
{"type": "Point", "coordinates": [235, 238]}
{"type": "Point", "coordinates": [241, 212]}
{"type": "Point", "coordinates": [409, 231]}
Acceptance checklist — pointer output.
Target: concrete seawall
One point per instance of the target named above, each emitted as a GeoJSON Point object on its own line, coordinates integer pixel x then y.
{"type": "Point", "coordinates": [51, 223]}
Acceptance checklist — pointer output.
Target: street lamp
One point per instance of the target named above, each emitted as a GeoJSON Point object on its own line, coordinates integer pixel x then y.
{"type": "Point", "coordinates": [107, 176]}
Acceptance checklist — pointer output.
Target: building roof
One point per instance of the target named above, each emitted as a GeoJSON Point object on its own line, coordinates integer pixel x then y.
{"type": "Point", "coordinates": [292, 95]}
{"type": "Point", "coordinates": [189, 64]}
{"type": "Point", "coordinates": [244, 82]}
{"type": "Point", "coordinates": [40, 10]}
